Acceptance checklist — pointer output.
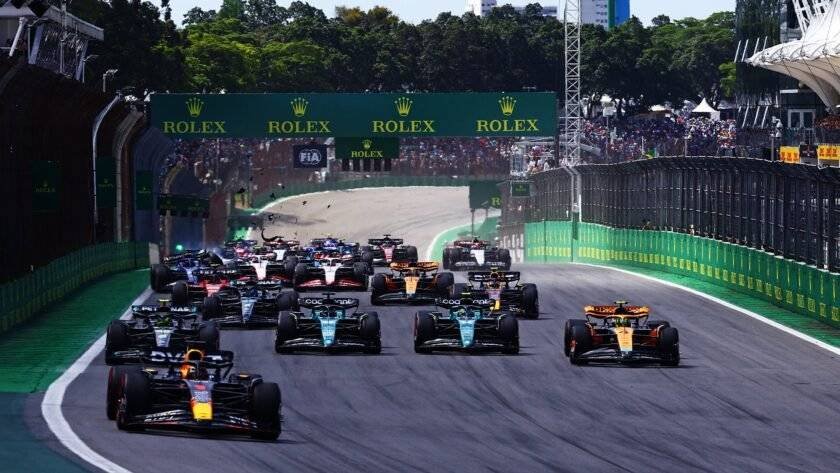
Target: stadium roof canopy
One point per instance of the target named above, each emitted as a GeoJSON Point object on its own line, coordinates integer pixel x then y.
{"type": "Point", "coordinates": [813, 60]}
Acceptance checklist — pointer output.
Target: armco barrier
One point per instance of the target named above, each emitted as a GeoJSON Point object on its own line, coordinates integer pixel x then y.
{"type": "Point", "coordinates": [789, 284]}
{"type": "Point", "coordinates": [24, 297]}
{"type": "Point", "coordinates": [378, 181]}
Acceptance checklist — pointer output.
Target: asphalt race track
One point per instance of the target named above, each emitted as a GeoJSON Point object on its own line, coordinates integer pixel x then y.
{"type": "Point", "coordinates": [747, 398]}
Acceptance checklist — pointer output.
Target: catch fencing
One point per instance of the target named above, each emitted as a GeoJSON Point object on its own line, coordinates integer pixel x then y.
{"type": "Point", "coordinates": [26, 296]}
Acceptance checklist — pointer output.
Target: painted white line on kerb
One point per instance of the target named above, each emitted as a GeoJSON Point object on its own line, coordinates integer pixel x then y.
{"type": "Point", "coordinates": [51, 405]}
{"type": "Point", "coordinates": [728, 305]}
{"type": "Point", "coordinates": [430, 250]}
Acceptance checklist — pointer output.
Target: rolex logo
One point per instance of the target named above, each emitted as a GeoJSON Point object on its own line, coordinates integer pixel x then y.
{"type": "Point", "coordinates": [299, 106]}
{"type": "Point", "coordinates": [194, 106]}
{"type": "Point", "coordinates": [366, 144]}
{"type": "Point", "coordinates": [403, 106]}
{"type": "Point", "coordinates": [507, 104]}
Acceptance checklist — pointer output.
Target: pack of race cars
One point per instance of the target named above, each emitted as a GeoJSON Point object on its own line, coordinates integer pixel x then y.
{"type": "Point", "coordinates": [168, 371]}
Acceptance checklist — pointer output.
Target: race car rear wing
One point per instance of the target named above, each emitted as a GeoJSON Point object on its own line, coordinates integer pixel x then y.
{"type": "Point", "coordinates": [211, 359]}
{"type": "Point", "coordinates": [470, 242]}
{"type": "Point", "coordinates": [264, 284]}
{"type": "Point", "coordinates": [627, 311]}
{"type": "Point", "coordinates": [380, 241]}
{"type": "Point", "coordinates": [342, 302]}
{"type": "Point", "coordinates": [449, 303]}
{"type": "Point", "coordinates": [421, 266]}
{"type": "Point", "coordinates": [157, 309]}
{"type": "Point", "coordinates": [490, 276]}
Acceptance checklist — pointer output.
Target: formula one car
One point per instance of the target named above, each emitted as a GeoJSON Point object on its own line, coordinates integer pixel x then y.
{"type": "Point", "coordinates": [331, 273]}
{"type": "Point", "coordinates": [333, 247]}
{"type": "Point", "coordinates": [156, 330]}
{"type": "Point", "coordinates": [504, 288]}
{"type": "Point", "coordinates": [280, 246]}
{"type": "Point", "coordinates": [208, 282]}
{"type": "Point", "coordinates": [467, 324]}
{"type": "Point", "coordinates": [235, 249]}
{"type": "Point", "coordinates": [386, 250]}
{"type": "Point", "coordinates": [181, 267]}
{"type": "Point", "coordinates": [195, 393]}
{"type": "Point", "coordinates": [248, 304]}
{"type": "Point", "coordinates": [474, 254]}
{"type": "Point", "coordinates": [411, 283]}
{"type": "Point", "coordinates": [623, 334]}
{"type": "Point", "coordinates": [328, 326]}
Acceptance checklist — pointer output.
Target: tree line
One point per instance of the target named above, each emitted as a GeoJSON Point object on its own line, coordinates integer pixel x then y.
{"type": "Point", "coordinates": [259, 46]}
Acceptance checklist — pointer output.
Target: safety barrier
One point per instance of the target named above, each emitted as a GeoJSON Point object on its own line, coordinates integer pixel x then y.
{"type": "Point", "coordinates": [379, 181]}
{"type": "Point", "coordinates": [789, 284]}
{"type": "Point", "coordinates": [25, 297]}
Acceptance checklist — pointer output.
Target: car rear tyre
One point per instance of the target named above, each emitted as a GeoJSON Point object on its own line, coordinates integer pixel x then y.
{"type": "Point", "coordinates": [658, 323]}
{"type": "Point", "coordinates": [444, 283]}
{"type": "Point", "coordinates": [378, 287]}
{"type": "Point", "coordinates": [159, 276]}
{"type": "Point", "coordinates": [509, 332]}
{"type": "Point", "coordinates": [286, 330]}
{"type": "Point", "coordinates": [411, 253]}
{"type": "Point", "coordinates": [581, 343]}
{"type": "Point", "coordinates": [367, 258]}
{"type": "Point", "coordinates": [531, 301]}
{"type": "Point", "coordinates": [116, 338]}
{"type": "Point", "coordinates": [211, 308]}
{"type": "Point", "coordinates": [369, 329]}
{"type": "Point", "coordinates": [136, 398]}
{"type": "Point", "coordinates": [669, 346]}
{"type": "Point", "coordinates": [300, 274]}
{"type": "Point", "coordinates": [504, 257]}
{"type": "Point", "coordinates": [424, 330]}
{"type": "Point", "coordinates": [115, 375]}
{"type": "Point", "coordinates": [567, 333]}
{"type": "Point", "coordinates": [360, 273]}
{"type": "Point", "coordinates": [287, 301]}
{"type": "Point", "coordinates": [265, 410]}
{"type": "Point", "coordinates": [289, 266]}
{"type": "Point", "coordinates": [208, 333]}
{"type": "Point", "coordinates": [180, 294]}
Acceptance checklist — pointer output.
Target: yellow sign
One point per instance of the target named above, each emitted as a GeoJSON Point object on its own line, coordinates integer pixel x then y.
{"type": "Point", "coordinates": [828, 153]}
{"type": "Point", "coordinates": [789, 154]}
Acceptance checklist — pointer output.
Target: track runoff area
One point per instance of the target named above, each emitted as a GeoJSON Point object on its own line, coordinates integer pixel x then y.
{"type": "Point", "coordinates": [746, 396]}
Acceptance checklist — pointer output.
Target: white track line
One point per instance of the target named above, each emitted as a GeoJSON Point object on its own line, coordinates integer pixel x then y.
{"type": "Point", "coordinates": [433, 244]}
{"type": "Point", "coordinates": [51, 405]}
{"type": "Point", "coordinates": [728, 305]}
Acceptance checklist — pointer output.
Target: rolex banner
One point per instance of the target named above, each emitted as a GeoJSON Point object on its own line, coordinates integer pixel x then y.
{"type": "Point", "coordinates": [106, 189]}
{"type": "Point", "coordinates": [520, 188]}
{"type": "Point", "coordinates": [310, 156]}
{"type": "Point", "coordinates": [375, 148]}
{"type": "Point", "coordinates": [143, 190]}
{"type": "Point", "coordinates": [347, 115]}
{"type": "Point", "coordinates": [484, 195]}
{"type": "Point", "coordinates": [46, 176]}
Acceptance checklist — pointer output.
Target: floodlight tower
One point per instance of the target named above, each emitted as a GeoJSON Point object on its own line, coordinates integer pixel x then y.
{"type": "Point", "coordinates": [573, 108]}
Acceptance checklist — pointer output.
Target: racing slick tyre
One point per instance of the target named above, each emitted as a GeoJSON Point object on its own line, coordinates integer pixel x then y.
{"type": "Point", "coordinates": [531, 301]}
{"type": "Point", "coordinates": [211, 308]}
{"type": "Point", "coordinates": [289, 266]}
{"type": "Point", "coordinates": [367, 258]}
{"type": "Point", "coordinates": [581, 342]}
{"type": "Point", "coordinates": [444, 283]}
{"type": "Point", "coordinates": [459, 289]}
{"type": "Point", "coordinates": [360, 273]}
{"type": "Point", "coordinates": [287, 301]}
{"type": "Point", "coordinates": [448, 258]}
{"type": "Point", "coordinates": [299, 274]}
{"type": "Point", "coordinates": [180, 293]}
{"type": "Point", "coordinates": [369, 329]}
{"type": "Point", "coordinates": [135, 398]}
{"type": "Point", "coordinates": [159, 276]}
{"type": "Point", "coordinates": [265, 410]}
{"type": "Point", "coordinates": [509, 332]}
{"type": "Point", "coordinates": [424, 330]}
{"type": "Point", "coordinates": [378, 287]}
{"type": "Point", "coordinates": [658, 323]}
{"type": "Point", "coordinates": [208, 332]}
{"type": "Point", "coordinates": [504, 257]}
{"type": "Point", "coordinates": [567, 333]}
{"type": "Point", "coordinates": [115, 375]}
{"type": "Point", "coordinates": [669, 346]}
{"type": "Point", "coordinates": [116, 338]}
{"type": "Point", "coordinates": [286, 330]}
{"type": "Point", "coordinates": [411, 253]}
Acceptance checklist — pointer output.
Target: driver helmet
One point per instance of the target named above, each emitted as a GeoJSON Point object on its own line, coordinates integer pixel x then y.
{"type": "Point", "coordinates": [190, 370]}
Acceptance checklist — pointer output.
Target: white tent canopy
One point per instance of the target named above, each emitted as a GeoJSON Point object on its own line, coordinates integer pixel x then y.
{"type": "Point", "coordinates": [705, 108]}
{"type": "Point", "coordinates": [813, 60]}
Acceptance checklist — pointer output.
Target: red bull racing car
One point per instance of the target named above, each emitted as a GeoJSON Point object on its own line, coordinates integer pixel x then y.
{"type": "Point", "coordinates": [504, 288]}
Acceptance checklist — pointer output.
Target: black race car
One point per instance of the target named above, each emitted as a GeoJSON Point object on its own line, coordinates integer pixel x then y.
{"type": "Point", "coordinates": [181, 267]}
{"type": "Point", "coordinates": [328, 326]}
{"type": "Point", "coordinates": [504, 288]}
{"type": "Point", "coordinates": [474, 254]}
{"type": "Point", "coordinates": [466, 324]}
{"type": "Point", "coordinates": [248, 304]}
{"type": "Point", "coordinates": [621, 334]}
{"type": "Point", "coordinates": [154, 331]}
{"type": "Point", "coordinates": [386, 250]}
{"type": "Point", "coordinates": [410, 283]}
{"type": "Point", "coordinates": [194, 393]}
